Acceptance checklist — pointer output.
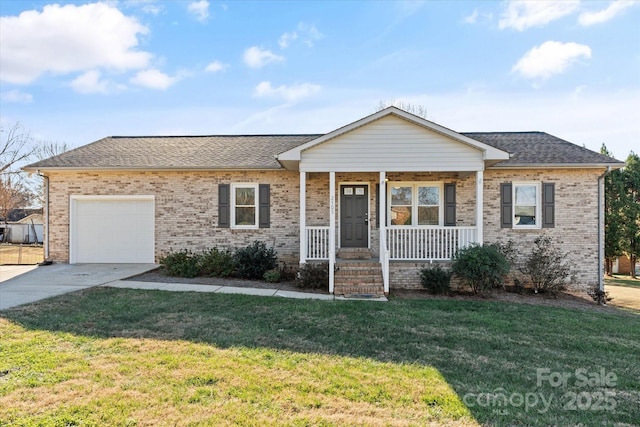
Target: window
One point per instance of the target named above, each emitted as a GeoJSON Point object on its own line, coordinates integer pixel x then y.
{"type": "Point", "coordinates": [244, 202]}
{"type": "Point", "coordinates": [415, 204]}
{"type": "Point", "coordinates": [526, 205]}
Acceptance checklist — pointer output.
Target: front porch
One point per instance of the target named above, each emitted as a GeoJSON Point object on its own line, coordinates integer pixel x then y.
{"type": "Point", "coordinates": [385, 242]}
{"type": "Point", "coordinates": [401, 186]}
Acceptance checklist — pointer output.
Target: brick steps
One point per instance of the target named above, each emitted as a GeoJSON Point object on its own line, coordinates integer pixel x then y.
{"type": "Point", "coordinates": [358, 278]}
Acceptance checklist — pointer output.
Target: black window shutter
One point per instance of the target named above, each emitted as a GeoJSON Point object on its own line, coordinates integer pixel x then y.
{"type": "Point", "coordinates": [506, 206]}
{"type": "Point", "coordinates": [548, 205]}
{"type": "Point", "coordinates": [224, 205]}
{"type": "Point", "coordinates": [450, 205]}
{"type": "Point", "coordinates": [377, 205]}
{"type": "Point", "coordinates": [264, 214]}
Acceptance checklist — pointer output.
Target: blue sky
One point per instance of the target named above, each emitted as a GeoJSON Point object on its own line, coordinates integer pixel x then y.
{"type": "Point", "coordinates": [75, 72]}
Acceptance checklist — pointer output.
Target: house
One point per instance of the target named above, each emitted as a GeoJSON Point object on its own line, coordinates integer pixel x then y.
{"type": "Point", "coordinates": [394, 189]}
{"type": "Point", "coordinates": [27, 229]}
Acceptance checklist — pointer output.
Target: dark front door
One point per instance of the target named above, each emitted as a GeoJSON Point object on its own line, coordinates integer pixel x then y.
{"type": "Point", "coordinates": [354, 221]}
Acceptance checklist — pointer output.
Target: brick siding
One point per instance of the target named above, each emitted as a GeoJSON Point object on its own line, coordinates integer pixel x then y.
{"type": "Point", "coordinates": [187, 210]}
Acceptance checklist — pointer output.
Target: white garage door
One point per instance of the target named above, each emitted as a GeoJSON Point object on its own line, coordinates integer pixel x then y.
{"type": "Point", "coordinates": [112, 229]}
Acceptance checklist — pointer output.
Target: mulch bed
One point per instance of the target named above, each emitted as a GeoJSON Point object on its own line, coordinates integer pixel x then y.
{"type": "Point", "coordinates": [569, 299]}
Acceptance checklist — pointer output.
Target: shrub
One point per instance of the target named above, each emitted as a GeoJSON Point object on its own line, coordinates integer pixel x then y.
{"type": "Point", "coordinates": [481, 267]}
{"type": "Point", "coordinates": [436, 280]}
{"type": "Point", "coordinates": [254, 260]}
{"type": "Point", "coordinates": [183, 263]}
{"type": "Point", "coordinates": [287, 273]}
{"type": "Point", "coordinates": [599, 296]}
{"type": "Point", "coordinates": [546, 266]}
{"type": "Point", "coordinates": [313, 276]}
{"type": "Point", "coordinates": [272, 276]}
{"type": "Point", "coordinates": [216, 263]}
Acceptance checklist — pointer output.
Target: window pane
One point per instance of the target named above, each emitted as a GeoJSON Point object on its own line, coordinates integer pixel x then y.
{"type": "Point", "coordinates": [400, 215]}
{"type": "Point", "coordinates": [245, 196]}
{"type": "Point", "coordinates": [525, 205]}
{"type": "Point", "coordinates": [526, 195]}
{"type": "Point", "coordinates": [428, 215]}
{"type": "Point", "coordinates": [401, 196]}
{"type": "Point", "coordinates": [428, 196]}
{"type": "Point", "coordinates": [245, 216]}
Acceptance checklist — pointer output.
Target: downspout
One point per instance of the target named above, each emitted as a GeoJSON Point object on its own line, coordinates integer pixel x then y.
{"type": "Point", "coordinates": [601, 229]}
{"type": "Point", "coordinates": [46, 215]}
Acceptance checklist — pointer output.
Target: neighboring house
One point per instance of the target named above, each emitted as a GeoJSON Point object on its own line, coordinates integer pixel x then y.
{"type": "Point", "coordinates": [27, 229]}
{"type": "Point", "coordinates": [622, 265]}
{"type": "Point", "coordinates": [393, 188]}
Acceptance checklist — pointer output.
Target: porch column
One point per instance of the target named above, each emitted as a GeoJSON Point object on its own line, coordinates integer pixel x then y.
{"type": "Point", "coordinates": [303, 217]}
{"type": "Point", "coordinates": [382, 221]}
{"type": "Point", "coordinates": [332, 229]}
{"type": "Point", "coordinates": [479, 206]}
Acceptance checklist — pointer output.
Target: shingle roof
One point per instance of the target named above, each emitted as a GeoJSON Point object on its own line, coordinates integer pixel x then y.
{"type": "Point", "coordinates": [539, 148]}
{"type": "Point", "coordinates": [259, 151]}
{"type": "Point", "coordinates": [178, 152]}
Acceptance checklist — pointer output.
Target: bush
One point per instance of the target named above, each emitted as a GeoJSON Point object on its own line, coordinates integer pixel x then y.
{"type": "Point", "coordinates": [254, 260]}
{"type": "Point", "coordinates": [598, 296]}
{"type": "Point", "coordinates": [183, 263]}
{"type": "Point", "coordinates": [436, 280]}
{"type": "Point", "coordinates": [313, 276]}
{"type": "Point", "coordinates": [546, 267]}
{"type": "Point", "coordinates": [272, 276]}
{"type": "Point", "coordinates": [481, 267]}
{"type": "Point", "coordinates": [216, 263]}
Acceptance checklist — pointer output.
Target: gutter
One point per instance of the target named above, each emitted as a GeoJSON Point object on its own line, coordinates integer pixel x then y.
{"type": "Point", "coordinates": [46, 215]}
{"type": "Point", "coordinates": [601, 229]}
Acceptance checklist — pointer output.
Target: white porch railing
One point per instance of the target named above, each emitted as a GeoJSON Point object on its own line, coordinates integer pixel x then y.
{"type": "Point", "coordinates": [432, 243]}
{"type": "Point", "coordinates": [317, 243]}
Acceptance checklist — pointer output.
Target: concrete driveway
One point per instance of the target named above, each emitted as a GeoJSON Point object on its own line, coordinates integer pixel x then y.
{"type": "Point", "coordinates": [24, 284]}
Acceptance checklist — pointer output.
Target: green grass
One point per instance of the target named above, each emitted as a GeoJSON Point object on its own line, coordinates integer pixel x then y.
{"type": "Point", "coordinates": [128, 357]}
{"type": "Point", "coordinates": [620, 280]}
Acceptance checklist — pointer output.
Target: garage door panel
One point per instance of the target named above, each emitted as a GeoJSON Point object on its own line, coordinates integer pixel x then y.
{"type": "Point", "coordinates": [113, 230]}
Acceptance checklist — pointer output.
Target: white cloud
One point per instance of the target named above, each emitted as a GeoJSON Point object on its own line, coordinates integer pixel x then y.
{"type": "Point", "coordinates": [604, 15]}
{"type": "Point", "coordinates": [16, 96]}
{"type": "Point", "coordinates": [288, 93]}
{"type": "Point", "coordinates": [471, 19]}
{"type": "Point", "coordinates": [305, 33]}
{"type": "Point", "coordinates": [199, 9]}
{"type": "Point", "coordinates": [216, 66]}
{"type": "Point", "coordinates": [550, 58]}
{"type": "Point", "coordinates": [255, 57]}
{"type": "Point", "coordinates": [153, 79]}
{"type": "Point", "coordinates": [89, 83]}
{"type": "Point", "coordinates": [151, 7]}
{"type": "Point", "coordinates": [67, 39]}
{"type": "Point", "coordinates": [286, 39]}
{"type": "Point", "coordinates": [522, 14]}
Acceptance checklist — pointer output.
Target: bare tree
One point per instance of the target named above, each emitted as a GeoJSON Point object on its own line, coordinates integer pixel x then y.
{"type": "Point", "coordinates": [49, 149]}
{"type": "Point", "coordinates": [416, 110]}
{"type": "Point", "coordinates": [44, 151]}
{"type": "Point", "coordinates": [15, 148]}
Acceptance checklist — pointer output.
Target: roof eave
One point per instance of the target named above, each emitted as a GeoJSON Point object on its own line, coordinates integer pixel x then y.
{"type": "Point", "coordinates": [558, 166]}
{"type": "Point", "coordinates": [150, 169]}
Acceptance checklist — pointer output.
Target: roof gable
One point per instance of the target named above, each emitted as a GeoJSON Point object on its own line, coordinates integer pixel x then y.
{"type": "Point", "coordinates": [292, 157]}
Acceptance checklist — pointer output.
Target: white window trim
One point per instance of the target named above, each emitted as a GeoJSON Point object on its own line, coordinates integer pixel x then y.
{"type": "Point", "coordinates": [414, 201]}
{"type": "Point", "coordinates": [233, 205]}
{"type": "Point", "coordinates": [538, 224]}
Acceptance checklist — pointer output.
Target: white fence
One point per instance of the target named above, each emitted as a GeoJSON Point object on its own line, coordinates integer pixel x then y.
{"type": "Point", "coordinates": [317, 243]}
{"type": "Point", "coordinates": [433, 243]}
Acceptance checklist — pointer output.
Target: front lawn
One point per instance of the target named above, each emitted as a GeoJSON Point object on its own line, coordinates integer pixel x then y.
{"type": "Point", "coordinates": [621, 280]}
{"type": "Point", "coordinates": [127, 357]}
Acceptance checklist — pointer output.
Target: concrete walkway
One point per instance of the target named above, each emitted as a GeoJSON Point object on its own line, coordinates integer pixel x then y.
{"type": "Point", "coordinates": [25, 284]}
{"type": "Point", "coordinates": [183, 287]}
